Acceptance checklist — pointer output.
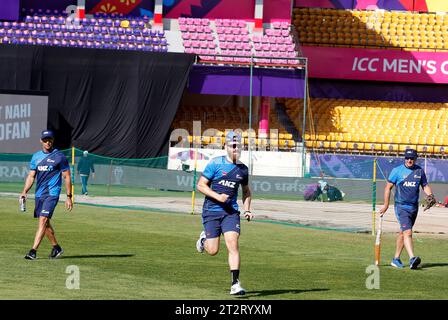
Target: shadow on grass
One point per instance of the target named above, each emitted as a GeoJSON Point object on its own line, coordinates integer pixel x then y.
{"type": "Point", "coordinates": [263, 293]}
{"type": "Point", "coordinates": [95, 256]}
{"type": "Point", "coordinates": [431, 265]}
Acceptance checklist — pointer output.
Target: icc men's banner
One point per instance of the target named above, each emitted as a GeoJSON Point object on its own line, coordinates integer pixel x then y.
{"type": "Point", "coordinates": [378, 65]}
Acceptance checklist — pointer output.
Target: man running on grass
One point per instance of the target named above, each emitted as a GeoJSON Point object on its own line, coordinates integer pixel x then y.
{"type": "Point", "coordinates": [47, 167]}
{"type": "Point", "coordinates": [220, 215]}
{"type": "Point", "coordinates": [408, 178]}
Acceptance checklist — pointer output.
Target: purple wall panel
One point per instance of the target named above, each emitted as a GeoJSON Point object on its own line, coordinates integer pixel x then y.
{"type": "Point", "coordinates": [287, 83]}
{"type": "Point", "coordinates": [9, 9]}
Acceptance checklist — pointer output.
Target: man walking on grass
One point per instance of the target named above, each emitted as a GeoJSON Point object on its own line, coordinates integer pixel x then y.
{"type": "Point", "coordinates": [408, 178]}
{"type": "Point", "coordinates": [47, 167]}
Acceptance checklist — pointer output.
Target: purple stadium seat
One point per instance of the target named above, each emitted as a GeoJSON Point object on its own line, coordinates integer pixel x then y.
{"type": "Point", "coordinates": [161, 34]}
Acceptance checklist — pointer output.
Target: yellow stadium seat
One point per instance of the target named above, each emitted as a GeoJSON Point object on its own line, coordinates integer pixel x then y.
{"type": "Point", "coordinates": [124, 24]}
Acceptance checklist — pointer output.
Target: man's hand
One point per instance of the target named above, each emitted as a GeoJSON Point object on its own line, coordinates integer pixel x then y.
{"type": "Point", "coordinates": [69, 204]}
{"type": "Point", "coordinates": [23, 195]}
{"type": "Point", "coordinates": [222, 197]}
{"type": "Point", "coordinates": [248, 215]}
{"type": "Point", "coordinates": [429, 201]}
{"type": "Point", "coordinates": [383, 209]}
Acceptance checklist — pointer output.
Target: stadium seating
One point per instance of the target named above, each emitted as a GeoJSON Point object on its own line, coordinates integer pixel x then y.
{"type": "Point", "coordinates": [368, 126]}
{"type": "Point", "coordinates": [101, 33]}
{"type": "Point", "coordinates": [372, 28]}
{"type": "Point", "coordinates": [224, 118]}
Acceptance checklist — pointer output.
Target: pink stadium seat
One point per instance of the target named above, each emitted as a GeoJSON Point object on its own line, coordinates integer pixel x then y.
{"type": "Point", "coordinates": [230, 37]}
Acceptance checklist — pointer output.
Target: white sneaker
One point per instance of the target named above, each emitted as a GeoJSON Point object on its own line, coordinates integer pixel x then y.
{"type": "Point", "coordinates": [236, 289]}
{"type": "Point", "coordinates": [200, 242]}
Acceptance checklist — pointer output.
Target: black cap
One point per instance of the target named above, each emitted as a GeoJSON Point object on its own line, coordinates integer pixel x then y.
{"type": "Point", "coordinates": [47, 134]}
{"type": "Point", "coordinates": [410, 153]}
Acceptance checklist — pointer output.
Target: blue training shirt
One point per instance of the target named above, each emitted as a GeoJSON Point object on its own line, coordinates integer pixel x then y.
{"type": "Point", "coordinates": [407, 182]}
{"type": "Point", "coordinates": [49, 168]}
{"type": "Point", "coordinates": [224, 177]}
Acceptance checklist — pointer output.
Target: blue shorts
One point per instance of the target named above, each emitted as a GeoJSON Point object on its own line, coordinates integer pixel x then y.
{"type": "Point", "coordinates": [45, 206]}
{"type": "Point", "coordinates": [406, 216]}
{"type": "Point", "coordinates": [217, 223]}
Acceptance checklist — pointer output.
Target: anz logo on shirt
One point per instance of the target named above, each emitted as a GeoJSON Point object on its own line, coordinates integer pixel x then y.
{"type": "Point", "coordinates": [226, 183]}
{"type": "Point", "coordinates": [45, 168]}
{"type": "Point", "coordinates": [409, 184]}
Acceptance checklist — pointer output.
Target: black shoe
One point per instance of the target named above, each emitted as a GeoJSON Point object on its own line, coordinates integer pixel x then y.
{"type": "Point", "coordinates": [56, 252]}
{"type": "Point", "coordinates": [31, 255]}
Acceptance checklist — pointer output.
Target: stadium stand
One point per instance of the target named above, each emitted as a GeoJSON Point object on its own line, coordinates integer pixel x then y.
{"type": "Point", "coordinates": [372, 28]}
{"type": "Point", "coordinates": [102, 33]}
{"type": "Point", "coordinates": [367, 126]}
{"type": "Point", "coordinates": [224, 118]}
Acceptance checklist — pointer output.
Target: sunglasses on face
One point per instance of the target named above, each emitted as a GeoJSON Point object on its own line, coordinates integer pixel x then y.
{"type": "Point", "coordinates": [413, 159]}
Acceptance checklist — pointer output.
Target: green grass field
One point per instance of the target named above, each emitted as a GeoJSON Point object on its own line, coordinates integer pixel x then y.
{"type": "Point", "coordinates": [124, 254]}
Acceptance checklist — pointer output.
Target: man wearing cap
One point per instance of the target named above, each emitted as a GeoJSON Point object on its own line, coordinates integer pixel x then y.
{"type": "Point", "coordinates": [219, 183]}
{"type": "Point", "coordinates": [408, 178]}
{"type": "Point", "coordinates": [85, 166]}
{"type": "Point", "coordinates": [47, 167]}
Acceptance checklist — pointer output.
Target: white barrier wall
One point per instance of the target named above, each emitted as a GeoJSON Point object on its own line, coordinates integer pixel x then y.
{"type": "Point", "coordinates": [264, 163]}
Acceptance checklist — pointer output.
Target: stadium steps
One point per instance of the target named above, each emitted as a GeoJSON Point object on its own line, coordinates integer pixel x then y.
{"type": "Point", "coordinates": [286, 121]}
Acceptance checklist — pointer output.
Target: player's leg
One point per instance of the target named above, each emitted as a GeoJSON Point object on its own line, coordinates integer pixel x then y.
{"type": "Point", "coordinates": [231, 231]}
{"type": "Point", "coordinates": [49, 232]}
{"type": "Point", "coordinates": [41, 227]}
{"type": "Point", "coordinates": [84, 184]}
{"type": "Point", "coordinates": [399, 245]}
{"type": "Point", "coordinates": [211, 246]}
{"type": "Point", "coordinates": [231, 239]}
{"type": "Point", "coordinates": [408, 244]}
{"type": "Point", "coordinates": [414, 261]}
{"type": "Point", "coordinates": [396, 261]}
